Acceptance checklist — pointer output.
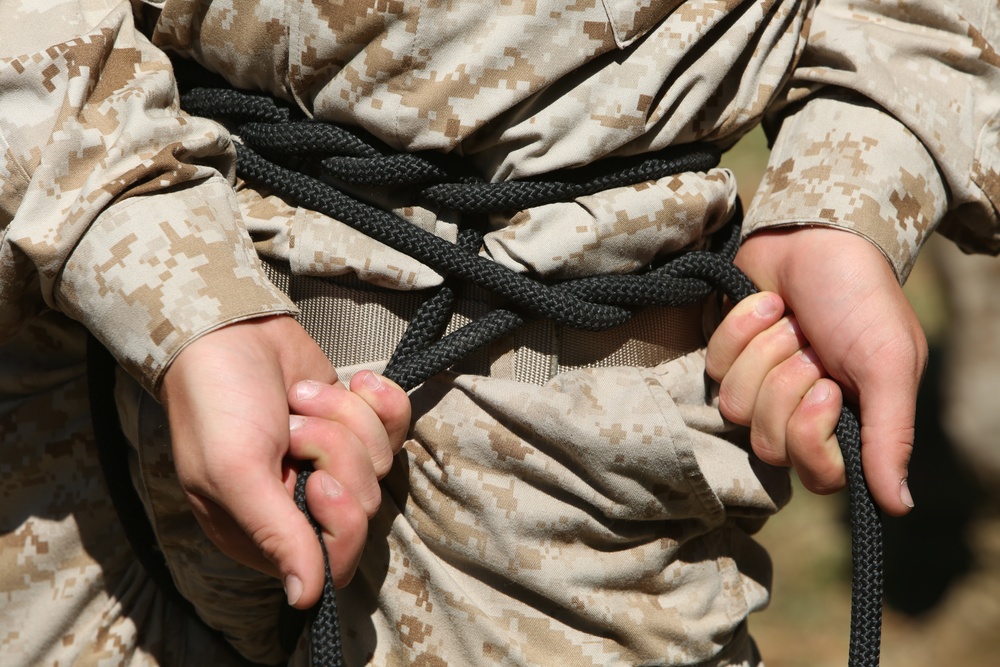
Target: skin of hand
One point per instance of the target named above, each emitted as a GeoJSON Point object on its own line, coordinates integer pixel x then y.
{"type": "Point", "coordinates": [244, 403]}
{"type": "Point", "coordinates": [831, 307]}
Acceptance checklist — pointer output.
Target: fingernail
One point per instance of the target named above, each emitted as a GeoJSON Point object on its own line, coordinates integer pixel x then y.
{"type": "Point", "coordinates": [904, 494]}
{"type": "Point", "coordinates": [767, 306]}
{"type": "Point", "coordinates": [295, 421]}
{"type": "Point", "coordinates": [330, 486]}
{"type": "Point", "coordinates": [306, 389]}
{"type": "Point", "coordinates": [293, 588]}
{"type": "Point", "coordinates": [372, 381]}
{"type": "Point", "coordinates": [818, 393]}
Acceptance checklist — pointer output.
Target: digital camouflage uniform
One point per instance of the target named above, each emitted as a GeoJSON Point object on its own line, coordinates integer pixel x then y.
{"type": "Point", "coordinates": [595, 515]}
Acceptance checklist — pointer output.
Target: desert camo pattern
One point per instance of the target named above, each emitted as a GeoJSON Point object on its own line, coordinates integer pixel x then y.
{"type": "Point", "coordinates": [72, 592]}
{"type": "Point", "coordinates": [119, 213]}
{"type": "Point", "coordinates": [485, 549]}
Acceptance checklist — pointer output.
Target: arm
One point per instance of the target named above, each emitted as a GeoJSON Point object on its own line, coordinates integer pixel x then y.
{"type": "Point", "coordinates": [883, 135]}
{"type": "Point", "coordinates": [118, 211]}
{"type": "Point", "coordinates": [121, 211]}
{"type": "Point", "coordinates": [887, 127]}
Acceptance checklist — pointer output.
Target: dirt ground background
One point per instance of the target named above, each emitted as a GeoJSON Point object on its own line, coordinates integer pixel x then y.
{"type": "Point", "coordinates": [808, 621]}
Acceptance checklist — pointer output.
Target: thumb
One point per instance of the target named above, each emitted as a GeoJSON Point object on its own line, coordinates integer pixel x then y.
{"type": "Point", "coordinates": [888, 411]}
{"type": "Point", "coordinates": [267, 517]}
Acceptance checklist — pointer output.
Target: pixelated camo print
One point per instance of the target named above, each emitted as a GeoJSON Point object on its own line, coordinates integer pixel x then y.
{"type": "Point", "coordinates": [117, 210]}
{"type": "Point", "coordinates": [841, 161]}
{"type": "Point", "coordinates": [71, 592]}
{"type": "Point", "coordinates": [90, 122]}
{"type": "Point", "coordinates": [524, 525]}
{"type": "Point", "coordinates": [557, 525]}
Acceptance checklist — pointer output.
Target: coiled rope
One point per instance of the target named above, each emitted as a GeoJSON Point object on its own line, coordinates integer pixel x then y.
{"type": "Point", "coordinates": [305, 161]}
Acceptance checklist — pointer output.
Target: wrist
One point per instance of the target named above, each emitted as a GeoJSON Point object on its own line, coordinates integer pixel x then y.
{"type": "Point", "coordinates": [779, 259]}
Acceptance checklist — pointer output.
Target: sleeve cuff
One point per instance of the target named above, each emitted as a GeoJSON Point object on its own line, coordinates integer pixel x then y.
{"type": "Point", "coordinates": [155, 272]}
{"type": "Point", "coordinates": [845, 163]}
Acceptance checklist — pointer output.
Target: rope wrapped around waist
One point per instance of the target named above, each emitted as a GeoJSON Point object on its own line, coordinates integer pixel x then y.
{"type": "Point", "coordinates": [300, 160]}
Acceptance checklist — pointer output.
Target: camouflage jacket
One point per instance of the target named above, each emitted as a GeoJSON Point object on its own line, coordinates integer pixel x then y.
{"type": "Point", "coordinates": [120, 211]}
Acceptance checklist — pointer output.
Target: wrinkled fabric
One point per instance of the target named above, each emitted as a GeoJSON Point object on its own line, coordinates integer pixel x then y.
{"type": "Point", "coordinates": [618, 532]}
{"type": "Point", "coordinates": [114, 210]}
{"type": "Point", "coordinates": [522, 521]}
{"type": "Point", "coordinates": [473, 78]}
{"type": "Point", "coordinates": [520, 517]}
{"type": "Point", "coordinates": [839, 161]}
{"type": "Point", "coordinates": [71, 590]}
{"type": "Point", "coordinates": [575, 530]}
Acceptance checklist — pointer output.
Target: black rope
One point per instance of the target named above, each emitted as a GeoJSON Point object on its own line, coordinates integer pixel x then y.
{"type": "Point", "coordinates": [312, 164]}
{"type": "Point", "coordinates": [325, 647]}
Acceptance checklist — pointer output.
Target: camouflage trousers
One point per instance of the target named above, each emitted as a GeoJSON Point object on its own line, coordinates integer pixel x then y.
{"type": "Point", "coordinates": [598, 516]}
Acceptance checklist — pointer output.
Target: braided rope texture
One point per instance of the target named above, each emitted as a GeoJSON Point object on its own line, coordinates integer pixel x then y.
{"type": "Point", "coordinates": [271, 138]}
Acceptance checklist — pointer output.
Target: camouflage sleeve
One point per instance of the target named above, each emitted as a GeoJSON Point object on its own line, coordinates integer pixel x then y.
{"type": "Point", "coordinates": [115, 208]}
{"type": "Point", "coordinates": [890, 127]}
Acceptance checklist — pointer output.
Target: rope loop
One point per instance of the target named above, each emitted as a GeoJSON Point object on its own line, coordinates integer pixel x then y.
{"type": "Point", "coordinates": [304, 138]}
{"type": "Point", "coordinates": [274, 142]}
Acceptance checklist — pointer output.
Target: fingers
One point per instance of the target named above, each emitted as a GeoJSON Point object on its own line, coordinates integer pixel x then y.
{"type": "Point", "coordinates": [344, 522]}
{"type": "Point", "coordinates": [227, 399]}
{"type": "Point", "coordinates": [795, 415]}
{"type": "Point", "coordinates": [351, 436]}
{"type": "Point", "coordinates": [749, 351]}
{"type": "Point", "coordinates": [772, 381]}
{"type": "Point", "coordinates": [375, 409]}
{"type": "Point", "coordinates": [278, 539]}
{"type": "Point", "coordinates": [389, 402]}
{"type": "Point", "coordinates": [265, 517]}
{"type": "Point", "coordinates": [741, 388]}
{"type": "Point", "coordinates": [851, 307]}
{"type": "Point", "coordinates": [781, 391]}
{"type": "Point", "coordinates": [812, 446]}
{"type": "Point", "coordinates": [254, 520]}
{"type": "Point", "coordinates": [252, 517]}
{"type": "Point", "coordinates": [746, 320]}
{"type": "Point", "coordinates": [336, 449]}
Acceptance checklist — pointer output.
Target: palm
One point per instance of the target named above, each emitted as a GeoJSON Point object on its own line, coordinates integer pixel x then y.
{"type": "Point", "coordinates": [229, 428]}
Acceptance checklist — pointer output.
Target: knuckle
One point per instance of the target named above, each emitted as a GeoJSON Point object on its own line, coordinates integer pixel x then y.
{"type": "Point", "coordinates": [826, 484]}
{"type": "Point", "coordinates": [817, 458]}
{"type": "Point", "coordinates": [268, 541]}
{"type": "Point", "coordinates": [344, 576]}
{"type": "Point", "coordinates": [734, 406]}
{"type": "Point", "coordinates": [826, 475]}
{"type": "Point", "coordinates": [766, 449]}
{"type": "Point", "coordinates": [397, 439]}
{"type": "Point", "coordinates": [371, 501]}
{"type": "Point", "coordinates": [382, 460]}
{"type": "Point", "coordinates": [714, 368]}
{"type": "Point", "coordinates": [801, 431]}
{"type": "Point", "coordinates": [778, 383]}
